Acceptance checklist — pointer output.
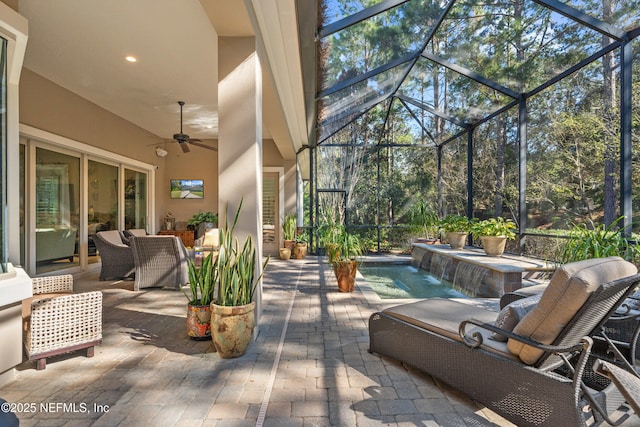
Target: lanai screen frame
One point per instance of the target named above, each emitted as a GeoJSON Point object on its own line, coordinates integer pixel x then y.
{"type": "Point", "coordinates": [621, 42]}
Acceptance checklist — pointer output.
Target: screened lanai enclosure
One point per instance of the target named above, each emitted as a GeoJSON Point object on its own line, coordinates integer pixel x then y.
{"type": "Point", "coordinates": [526, 109]}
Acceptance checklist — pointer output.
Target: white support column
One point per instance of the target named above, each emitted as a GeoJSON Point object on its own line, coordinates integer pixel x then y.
{"type": "Point", "coordinates": [240, 141]}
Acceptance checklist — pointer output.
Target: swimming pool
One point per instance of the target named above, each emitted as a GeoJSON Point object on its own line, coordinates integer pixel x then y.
{"type": "Point", "coordinates": [394, 281]}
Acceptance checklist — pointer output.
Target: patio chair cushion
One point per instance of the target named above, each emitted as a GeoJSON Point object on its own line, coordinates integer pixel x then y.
{"type": "Point", "coordinates": [511, 315]}
{"type": "Point", "coordinates": [567, 291]}
{"type": "Point", "coordinates": [211, 238]}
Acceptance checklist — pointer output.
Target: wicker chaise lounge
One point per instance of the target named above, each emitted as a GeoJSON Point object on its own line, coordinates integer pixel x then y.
{"type": "Point", "coordinates": [521, 376]}
{"type": "Point", "coordinates": [623, 327]}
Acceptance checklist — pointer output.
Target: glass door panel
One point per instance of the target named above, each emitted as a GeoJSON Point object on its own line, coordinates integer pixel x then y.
{"type": "Point", "coordinates": [57, 210]}
{"type": "Point", "coordinates": [270, 213]}
{"type": "Point", "coordinates": [103, 200]}
{"type": "Point", "coordinates": [135, 199]}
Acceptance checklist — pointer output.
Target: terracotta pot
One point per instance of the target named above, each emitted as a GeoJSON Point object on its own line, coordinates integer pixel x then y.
{"type": "Point", "coordinates": [285, 253]}
{"type": "Point", "coordinates": [199, 321]}
{"type": "Point", "coordinates": [232, 329]}
{"type": "Point", "coordinates": [289, 244]}
{"type": "Point", "coordinates": [457, 239]}
{"type": "Point", "coordinates": [493, 245]}
{"type": "Point", "coordinates": [345, 274]}
{"type": "Point", "coordinates": [300, 250]}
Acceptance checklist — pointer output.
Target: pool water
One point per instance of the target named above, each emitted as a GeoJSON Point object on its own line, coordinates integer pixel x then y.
{"type": "Point", "coordinates": [404, 281]}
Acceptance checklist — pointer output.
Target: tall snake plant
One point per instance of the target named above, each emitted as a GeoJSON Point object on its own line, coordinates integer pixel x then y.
{"type": "Point", "coordinates": [236, 267]}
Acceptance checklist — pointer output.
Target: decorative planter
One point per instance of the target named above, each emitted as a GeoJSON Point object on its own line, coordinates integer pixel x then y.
{"type": "Point", "coordinates": [345, 272]}
{"type": "Point", "coordinates": [232, 329]}
{"type": "Point", "coordinates": [289, 244]}
{"type": "Point", "coordinates": [457, 239]}
{"type": "Point", "coordinates": [285, 253]}
{"type": "Point", "coordinates": [300, 250]}
{"type": "Point", "coordinates": [199, 321]}
{"type": "Point", "coordinates": [493, 245]}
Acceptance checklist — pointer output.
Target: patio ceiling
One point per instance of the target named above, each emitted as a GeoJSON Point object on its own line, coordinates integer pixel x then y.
{"type": "Point", "coordinates": [81, 45]}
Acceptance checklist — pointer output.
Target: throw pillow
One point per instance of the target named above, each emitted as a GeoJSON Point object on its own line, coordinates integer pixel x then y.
{"type": "Point", "coordinates": [509, 316]}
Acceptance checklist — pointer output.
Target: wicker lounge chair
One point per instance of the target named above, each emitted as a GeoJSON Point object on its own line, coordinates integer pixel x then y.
{"type": "Point", "coordinates": [116, 257]}
{"type": "Point", "coordinates": [160, 261]}
{"type": "Point", "coordinates": [622, 328]}
{"type": "Point", "coordinates": [524, 379]}
{"type": "Point", "coordinates": [137, 232]}
{"type": "Point", "coordinates": [57, 321]}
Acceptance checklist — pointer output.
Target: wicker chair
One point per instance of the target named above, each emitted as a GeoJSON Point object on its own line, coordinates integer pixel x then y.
{"type": "Point", "coordinates": [116, 257]}
{"type": "Point", "coordinates": [160, 261]}
{"type": "Point", "coordinates": [57, 321]}
{"type": "Point", "coordinates": [528, 383]}
{"type": "Point", "coordinates": [137, 232]}
{"type": "Point", "coordinates": [623, 327]}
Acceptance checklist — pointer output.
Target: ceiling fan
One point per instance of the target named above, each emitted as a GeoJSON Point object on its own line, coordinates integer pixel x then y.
{"type": "Point", "coordinates": [183, 138]}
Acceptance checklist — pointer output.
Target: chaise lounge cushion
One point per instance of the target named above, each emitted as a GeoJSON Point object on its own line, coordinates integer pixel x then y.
{"type": "Point", "coordinates": [443, 316]}
{"type": "Point", "coordinates": [567, 291]}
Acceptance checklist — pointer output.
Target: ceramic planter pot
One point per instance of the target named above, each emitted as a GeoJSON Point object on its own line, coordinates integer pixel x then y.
{"type": "Point", "coordinates": [289, 244]}
{"type": "Point", "coordinates": [493, 245]}
{"type": "Point", "coordinates": [300, 250]}
{"type": "Point", "coordinates": [457, 239]}
{"type": "Point", "coordinates": [199, 321]}
{"type": "Point", "coordinates": [285, 253]}
{"type": "Point", "coordinates": [345, 271]}
{"type": "Point", "coordinates": [232, 329]}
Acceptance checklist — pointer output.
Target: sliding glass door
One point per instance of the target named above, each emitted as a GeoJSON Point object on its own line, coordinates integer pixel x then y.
{"type": "Point", "coordinates": [135, 199]}
{"type": "Point", "coordinates": [57, 184]}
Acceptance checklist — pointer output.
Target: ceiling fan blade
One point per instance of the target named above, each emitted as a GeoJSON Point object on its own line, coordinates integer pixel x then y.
{"type": "Point", "coordinates": [200, 144]}
{"type": "Point", "coordinates": [185, 147]}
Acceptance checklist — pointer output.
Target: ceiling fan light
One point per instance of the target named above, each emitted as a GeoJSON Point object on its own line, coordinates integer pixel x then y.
{"type": "Point", "coordinates": [160, 152]}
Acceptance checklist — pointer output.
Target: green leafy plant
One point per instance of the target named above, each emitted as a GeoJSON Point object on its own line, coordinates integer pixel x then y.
{"type": "Point", "coordinates": [201, 217]}
{"type": "Point", "coordinates": [424, 219]}
{"type": "Point", "coordinates": [349, 246]}
{"type": "Point", "coordinates": [302, 238]}
{"type": "Point", "coordinates": [236, 267]}
{"type": "Point", "coordinates": [289, 226]}
{"type": "Point", "coordinates": [597, 242]}
{"type": "Point", "coordinates": [455, 223]}
{"type": "Point", "coordinates": [202, 281]}
{"type": "Point", "coordinates": [493, 227]}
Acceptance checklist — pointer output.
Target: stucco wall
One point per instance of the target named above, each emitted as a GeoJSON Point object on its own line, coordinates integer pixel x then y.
{"type": "Point", "coordinates": [47, 106]}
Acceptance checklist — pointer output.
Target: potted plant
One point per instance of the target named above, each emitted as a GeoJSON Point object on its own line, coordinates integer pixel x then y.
{"type": "Point", "coordinates": [330, 234]}
{"type": "Point", "coordinates": [202, 280]}
{"type": "Point", "coordinates": [300, 248]}
{"type": "Point", "coordinates": [345, 265]}
{"type": "Point", "coordinates": [284, 253]}
{"type": "Point", "coordinates": [456, 229]}
{"type": "Point", "coordinates": [425, 222]}
{"type": "Point", "coordinates": [289, 231]}
{"type": "Point", "coordinates": [232, 311]}
{"type": "Point", "coordinates": [599, 241]}
{"type": "Point", "coordinates": [202, 220]}
{"type": "Point", "coordinates": [494, 232]}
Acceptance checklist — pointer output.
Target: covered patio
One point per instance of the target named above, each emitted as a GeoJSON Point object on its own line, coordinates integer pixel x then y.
{"type": "Point", "coordinates": [308, 366]}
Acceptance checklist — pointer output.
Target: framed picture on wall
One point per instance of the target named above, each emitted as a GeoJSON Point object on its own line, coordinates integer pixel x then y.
{"type": "Point", "coordinates": [187, 189]}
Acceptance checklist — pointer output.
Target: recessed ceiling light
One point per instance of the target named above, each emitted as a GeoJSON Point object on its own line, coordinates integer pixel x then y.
{"type": "Point", "coordinates": [130, 58]}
